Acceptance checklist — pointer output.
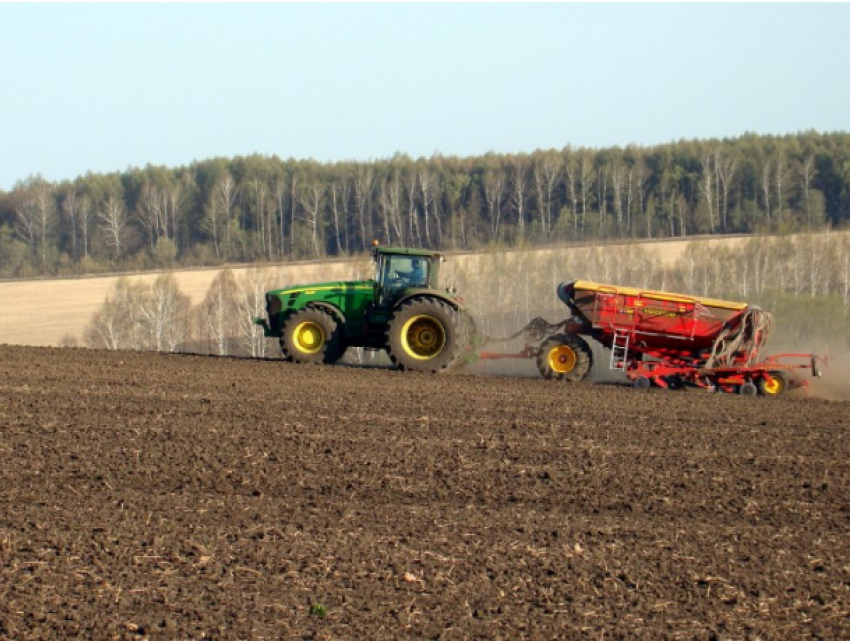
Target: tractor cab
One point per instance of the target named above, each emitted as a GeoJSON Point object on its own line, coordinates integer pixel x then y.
{"type": "Point", "coordinates": [399, 270]}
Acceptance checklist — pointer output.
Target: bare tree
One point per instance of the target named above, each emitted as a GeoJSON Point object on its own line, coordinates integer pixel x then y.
{"type": "Point", "coordinates": [338, 214]}
{"type": "Point", "coordinates": [250, 305]}
{"type": "Point", "coordinates": [602, 190]}
{"type": "Point", "coordinates": [781, 180]}
{"type": "Point", "coordinates": [113, 219]}
{"type": "Point", "coordinates": [519, 183]}
{"type": "Point", "coordinates": [219, 312]}
{"type": "Point", "coordinates": [389, 200]}
{"type": "Point", "coordinates": [26, 223]}
{"type": "Point", "coordinates": [547, 172]}
{"type": "Point", "coordinates": [765, 188]}
{"type": "Point", "coordinates": [571, 179]}
{"type": "Point", "coordinates": [218, 214]}
{"type": "Point", "coordinates": [364, 184]}
{"type": "Point", "coordinates": [707, 189]}
{"type": "Point", "coordinates": [176, 197]}
{"type": "Point", "coordinates": [35, 220]}
{"type": "Point", "coordinates": [725, 175]}
{"type": "Point", "coordinates": [586, 179]}
{"type": "Point", "coordinates": [152, 212]}
{"type": "Point", "coordinates": [225, 195]}
{"type": "Point", "coordinates": [263, 215]}
{"type": "Point", "coordinates": [279, 195]}
{"type": "Point", "coordinates": [117, 323]}
{"type": "Point", "coordinates": [311, 200]}
{"type": "Point", "coordinates": [164, 313]}
{"type": "Point", "coordinates": [494, 194]}
{"type": "Point", "coordinates": [71, 205]}
{"type": "Point", "coordinates": [426, 191]}
{"type": "Point", "coordinates": [618, 187]}
{"type": "Point", "coordinates": [410, 188]}
{"type": "Point", "coordinates": [807, 175]}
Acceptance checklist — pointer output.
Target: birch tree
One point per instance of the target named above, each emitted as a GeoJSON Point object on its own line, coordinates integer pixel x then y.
{"type": "Point", "coordinates": [251, 303]}
{"type": "Point", "coordinates": [426, 192]}
{"type": "Point", "coordinates": [151, 212]}
{"type": "Point", "coordinates": [113, 220]}
{"type": "Point", "coordinates": [164, 314]}
{"type": "Point", "coordinates": [389, 201]}
{"type": "Point", "coordinates": [71, 211]}
{"type": "Point", "coordinates": [364, 184]}
{"type": "Point", "coordinates": [519, 193]}
{"type": "Point", "coordinates": [586, 179]}
{"type": "Point", "coordinates": [338, 195]}
{"type": "Point", "coordinates": [547, 172]}
{"type": "Point", "coordinates": [279, 190]}
{"type": "Point", "coordinates": [707, 189]}
{"type": "Point", "coordinates": [117, 324]}
{"type": "Point", "coordinates": [26, 223]}
{"type": "Point", "coordinates": [494, 194]}
{"type": "Point", "coordinates": [312, 200]}
{"type": "Point", "coordinates": [219, 312]}
{"type": "Point", "coordinates": [781, 180]}
{"type": "Point", "coordinates": [807, 173]}
{"type": "Point", "coordinates": [725, 167]}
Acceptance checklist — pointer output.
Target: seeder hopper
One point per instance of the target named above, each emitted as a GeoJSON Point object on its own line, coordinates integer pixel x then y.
{"type": "Point", "coordinates": [662, 339]}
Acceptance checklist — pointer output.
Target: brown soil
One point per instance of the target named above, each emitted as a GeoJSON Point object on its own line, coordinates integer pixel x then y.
{"type": "Point", "coordinates": [187, 497]}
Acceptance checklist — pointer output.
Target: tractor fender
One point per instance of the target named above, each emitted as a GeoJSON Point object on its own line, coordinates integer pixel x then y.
{"type": "Point", "coordinates": [429, 293]}
{"type": "Point", "coordinates": [333, 310]}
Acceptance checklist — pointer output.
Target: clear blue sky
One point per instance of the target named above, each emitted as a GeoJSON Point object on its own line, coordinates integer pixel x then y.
{"type": "Point", "coordinates": [104, 87]}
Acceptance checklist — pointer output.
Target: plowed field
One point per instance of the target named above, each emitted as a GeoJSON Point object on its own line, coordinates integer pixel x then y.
{"type": "Point", "coordinates": [187, 497]}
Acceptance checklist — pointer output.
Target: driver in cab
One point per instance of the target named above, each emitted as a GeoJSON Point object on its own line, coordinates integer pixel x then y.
{"type": "Point", "coordinates": [416, 277]}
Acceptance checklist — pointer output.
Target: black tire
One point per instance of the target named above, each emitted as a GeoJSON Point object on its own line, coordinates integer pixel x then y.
{"type": "Point", "coordinates": [312, 335]}
{"type": "Point", "coordinates": [565, 357]}
{"type": "Point", "coordinates": [642, 382]}
{"type": "Point", "coordinates": [772, 384]}
{"type": "Point", "coordinates": [426, 335]}
{"type": "Point", "coordinates": [748, 389]}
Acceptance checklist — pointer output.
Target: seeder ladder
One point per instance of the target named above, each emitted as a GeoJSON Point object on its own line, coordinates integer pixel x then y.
{"type": "Point", "coordinates": [620, 349]}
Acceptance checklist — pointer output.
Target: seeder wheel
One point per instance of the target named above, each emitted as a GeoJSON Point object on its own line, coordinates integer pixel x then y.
{"type": "Point", "coordinates": [773, 383]}
{"type": "Point", "coordinates": [642, 382]}
{"type": "Point", "coordinates": [565, 357]}
{"type": "Point", "coordinates": [748, 389]}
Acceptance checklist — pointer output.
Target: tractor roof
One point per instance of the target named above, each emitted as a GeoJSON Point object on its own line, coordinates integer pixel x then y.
{"type": "Point", "coordinates": [406, 251]}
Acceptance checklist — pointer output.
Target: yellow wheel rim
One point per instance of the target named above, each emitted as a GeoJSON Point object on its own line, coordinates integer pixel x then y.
{"type": "Point", "coordinates": [423, 337]}
{"type": "Point", "coordinates": [772, 384]}
{"type": "Point", "coordinates": [308, 337]}
{"type": "Point", "coordinates": [562, 359]}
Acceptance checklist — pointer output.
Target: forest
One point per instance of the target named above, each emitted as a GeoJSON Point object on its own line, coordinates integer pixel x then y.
{"type": "Point", "coordinates": [261, 209]}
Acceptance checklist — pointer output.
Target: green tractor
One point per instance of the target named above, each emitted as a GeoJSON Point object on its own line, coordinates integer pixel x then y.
{"type": "Point", "coordinates": [401, 310]}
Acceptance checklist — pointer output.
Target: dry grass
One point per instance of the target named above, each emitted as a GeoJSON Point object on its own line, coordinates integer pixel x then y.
{"type": "Point", "coordinates": [45, 312]}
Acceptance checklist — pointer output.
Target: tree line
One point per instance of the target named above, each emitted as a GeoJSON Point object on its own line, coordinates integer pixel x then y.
{"type": "Point", "coordinates": [804, 279]}
{"type": "Point", "coordinates": [265, 209]}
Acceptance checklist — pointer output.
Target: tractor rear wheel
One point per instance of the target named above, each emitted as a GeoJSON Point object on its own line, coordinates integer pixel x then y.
{"type": "Point", "coordinates": [312, 336]}
{"type": "Point", "coordinates": [565, 357]}
{"type": "Point", "coordinates": [773, 383]}
{"type": "Point", "coordinates": [426, 335]}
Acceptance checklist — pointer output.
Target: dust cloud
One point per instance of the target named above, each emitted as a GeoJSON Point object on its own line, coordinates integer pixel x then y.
{"type": "Point", "coordinates": [834, 384]}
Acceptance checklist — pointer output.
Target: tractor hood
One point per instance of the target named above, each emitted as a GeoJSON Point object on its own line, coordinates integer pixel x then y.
{"type": "Point", "coordinates": [320, 289]}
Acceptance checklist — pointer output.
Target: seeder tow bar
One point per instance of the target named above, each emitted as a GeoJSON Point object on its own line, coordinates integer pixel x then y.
{"type": "Point", "coordinates": [661, 339]}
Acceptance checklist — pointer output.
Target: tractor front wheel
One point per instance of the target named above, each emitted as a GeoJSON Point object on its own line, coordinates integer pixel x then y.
{"type": "Point", "coordinates": [565, 357]}
{"type": "Point", "coordinates": [426, 335]}
{"type": "Point", "coordinates": [312, 336]}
